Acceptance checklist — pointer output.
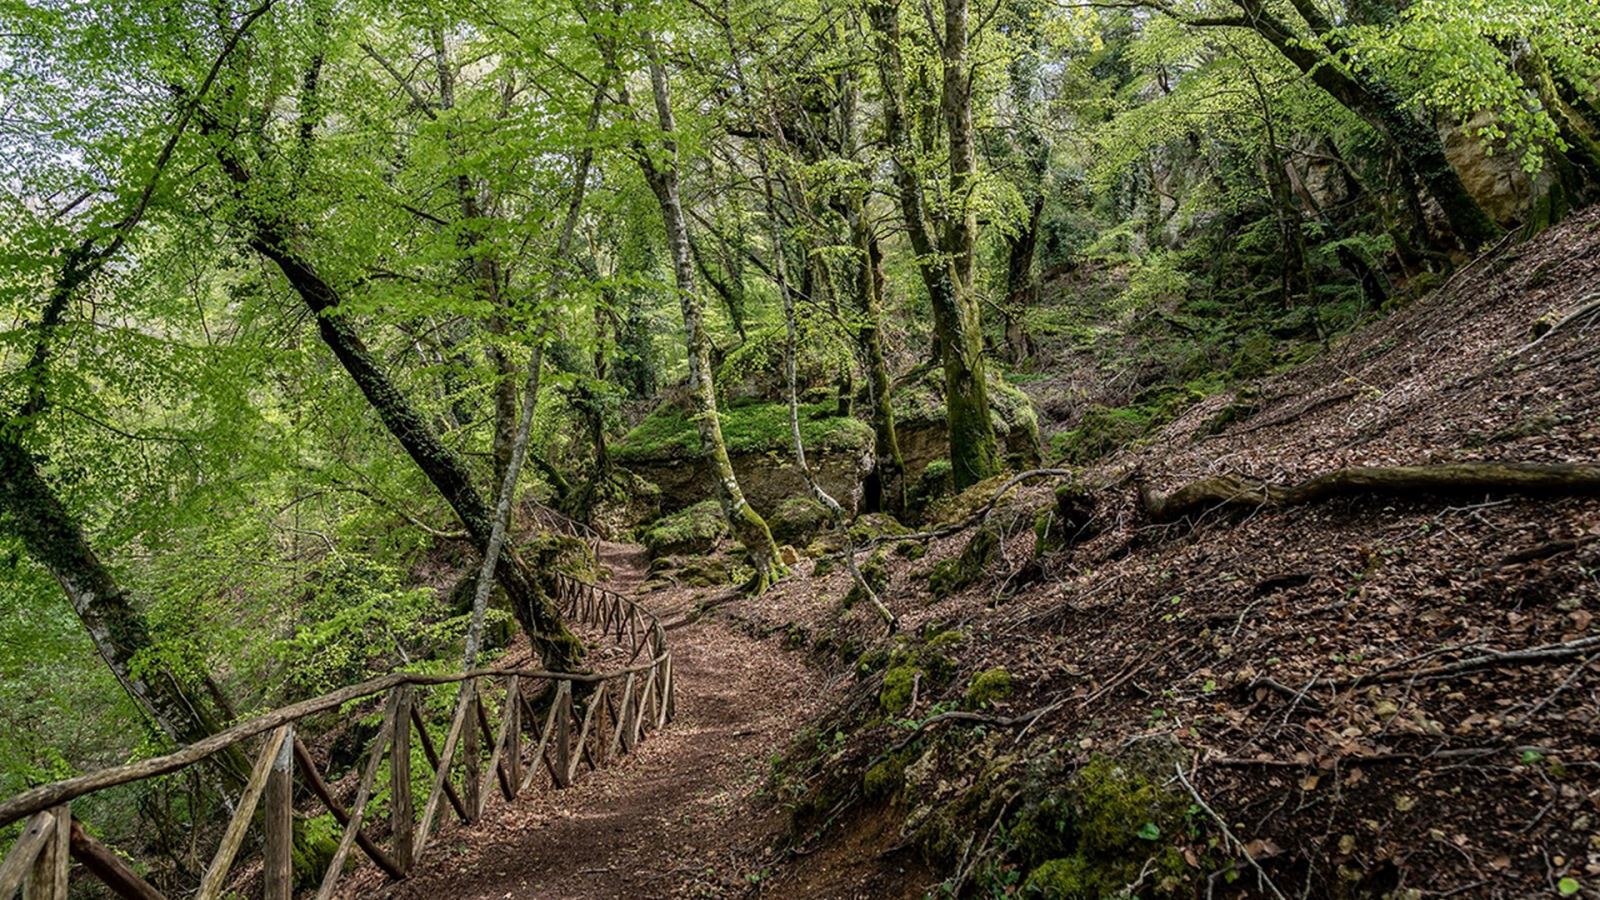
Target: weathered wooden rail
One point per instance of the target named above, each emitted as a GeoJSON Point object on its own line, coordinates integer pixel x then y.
{"type": "Point", "coordinates": [497, 737]}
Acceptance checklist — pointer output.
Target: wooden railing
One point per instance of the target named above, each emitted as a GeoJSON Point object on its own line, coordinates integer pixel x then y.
{"type": "Point", "coordinates": [497, 737]}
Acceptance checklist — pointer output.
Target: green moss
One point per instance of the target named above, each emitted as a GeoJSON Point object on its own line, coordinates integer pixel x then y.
{"type": "Point", "coordinates": [694, 530]}
{"type": "Point", "coordinates": [1091, 839]}
{"type": "Point", "coordinates": [797, 520]}
{"type": "Point", "coordinates": [910, 550]}
{"type": "Point", "coordinates": [870, 526]}
{"type": "Point", "coordinates": [315, 842]}
{"type": "Point", "coordinates": [898, 683]}
{"type": "Point", "coordinates": [987, 687]}
{"type": "Point", "coordinates": [753, 427]}
{"type": "Point", "coordinates": [562, 553]}
{"type": "Point", "coordinates": [959, 572]}
{"type": "Point", "coordinates": [934, 483]}
{"type": "Point", "coordinates": [885, 779]}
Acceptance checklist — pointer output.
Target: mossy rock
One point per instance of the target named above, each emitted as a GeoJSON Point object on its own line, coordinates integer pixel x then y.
{"type": "Point", "coordinates": [899, 682]}
{"type": "Point", "coordinates": [1091, 837]}
{"type": "Point", "coordinates": [871, 526]}
{"type": "Point", "coordinates": [753, 427]}
{"type": "Point", "coordinates": [962, 506]}
{"type": "Point", "coordinates": [691, 531]}
{"type": "Point", "coordinates": [756, 369]}
{"type": "Point", "coordinates": [623, 502]}
{"type": "Point", "coordinates": [797, 520]}
{"type": "Point", "coordinates": [987, 688]}
{"type": "Point", "coordinates": [936, 482]}
{"type": "Point", "coordinates": [959, 572]}
{"type": "Point", "coordinates": [884, 779]}
{"type": "Point", "coordinates": [551, 552]}
{"type": "Point", "coordinates": [1066, 522]}
{"type": "Point", "coordinates": [693, 571]}
{"type": "Point", "coordinates": [915, 662]}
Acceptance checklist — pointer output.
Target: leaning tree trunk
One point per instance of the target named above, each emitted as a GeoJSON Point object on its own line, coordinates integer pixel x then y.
{"type": "Point", "coordinates": [747, 524]}
{"type": "Point", "coordinates": [31, 510]}
{"type": "Point", "coordinates": [1413, 143]}
{"type": "Point", "coordinates": [442, 466]}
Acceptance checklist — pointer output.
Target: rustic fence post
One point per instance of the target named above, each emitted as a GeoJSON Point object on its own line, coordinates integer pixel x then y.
{"type": "Point", "coordinates": [514, 734]}
{"type": "Point", "coordinates": [402, 809]}
{"type": "Point", "coordinates": [563, 734]}
{"type": "Point", "coordinates": [278, 823]}
{"type": "Point", "coordinates": [471, 796]}
{"type": "Point", "coordinates": [48, 878]}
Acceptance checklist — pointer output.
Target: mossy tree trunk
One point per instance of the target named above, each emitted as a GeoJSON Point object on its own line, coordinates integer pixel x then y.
{"type": "Point", "coordinates": [747, 524]}
{"type": "Point", "coordinates": [30, 509]}
{"type": "Point", "coordinates": [1413, 143]}
{"type": "Point", "coordinates": [944, 243]}
{"type": "Point", "coordinates": [443, 468]}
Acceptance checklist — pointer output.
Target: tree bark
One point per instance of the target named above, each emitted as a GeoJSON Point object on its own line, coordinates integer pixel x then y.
{"type": "Point", "coordinates": [1226, 491]}
{"type": "Point", "coordinates": [945, 244]}
{"type": "Point", "coordinates": [747, 524]}
{"type": "Point", "coordinates": [30, 509]}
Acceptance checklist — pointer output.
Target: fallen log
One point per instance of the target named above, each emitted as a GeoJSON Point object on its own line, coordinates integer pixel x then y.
{"type": "Point", "coordinates": [1227, 491]}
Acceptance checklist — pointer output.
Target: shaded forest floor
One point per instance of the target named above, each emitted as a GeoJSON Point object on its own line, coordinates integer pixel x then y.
{"type": "Point", "coordinates": [1308, 667]}
{"type": "Point", "coordinates": [684, 815]}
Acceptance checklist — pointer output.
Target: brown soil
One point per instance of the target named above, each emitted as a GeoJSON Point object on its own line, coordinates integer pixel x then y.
{"type": "Point", "coordinates": [1237, 637]}
{"type": "Point", "coordinates": [685, 815]}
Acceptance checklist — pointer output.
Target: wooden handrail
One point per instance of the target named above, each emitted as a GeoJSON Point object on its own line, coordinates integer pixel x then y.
{"type": "Point", "coordinates": [646, 703]}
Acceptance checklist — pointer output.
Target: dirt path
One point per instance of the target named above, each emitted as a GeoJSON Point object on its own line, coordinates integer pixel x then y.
{"type": "Point", "coordinates": [680, 817]}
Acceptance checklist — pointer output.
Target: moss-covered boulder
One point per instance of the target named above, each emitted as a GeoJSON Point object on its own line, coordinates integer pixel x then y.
{"type": "Point", "coordinates": [755, 370]}
{"type": "Point", "coordinates": [693, 571]}
{"type": "Point", "coordinates": [1066, 522]}
{"type": "Point", "coordinates": [665, 450]}
{"type": "Point", "coordinates": [969, 566]}
{"type": "Point", "coordinates": [622, 503]}
{"type": "Point", "coordinates": [924, 436]}
{"type": "Point", "coordinates": [688, 532]}
{"type": "Point", "coordinates": [797, 521]}
{"type": "Point", "coordinates": [987, 688]}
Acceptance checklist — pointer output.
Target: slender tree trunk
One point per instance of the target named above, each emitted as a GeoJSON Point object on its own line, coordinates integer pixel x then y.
{"type": "Point", "coordinates": [483, 270]}
{"type": "Point", "coordinates": [945, 259]}
{"type": "Point", "coordinates": [886, 485]}
{"type": "Point", "coordinates": [748, 525]}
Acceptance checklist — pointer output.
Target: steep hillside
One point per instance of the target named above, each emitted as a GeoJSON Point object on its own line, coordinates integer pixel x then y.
{"type": "Point", "coordinates": [1377, 695]}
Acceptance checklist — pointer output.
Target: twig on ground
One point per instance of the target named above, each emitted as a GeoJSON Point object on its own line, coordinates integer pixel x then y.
{"type": "Point", "coordinates": [1227, 833]}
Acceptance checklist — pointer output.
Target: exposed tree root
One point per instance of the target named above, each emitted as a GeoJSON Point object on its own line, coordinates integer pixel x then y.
{"type": "Point", "coordinates": [1224, 491]}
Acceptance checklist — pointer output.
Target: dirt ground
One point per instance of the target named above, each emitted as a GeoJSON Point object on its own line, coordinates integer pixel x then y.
{"type": "Point", "coordinates": [685, 815]}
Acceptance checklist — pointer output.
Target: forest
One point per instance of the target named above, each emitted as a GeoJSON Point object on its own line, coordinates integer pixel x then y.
{"type": "Point", "coordinates": [804, 448]}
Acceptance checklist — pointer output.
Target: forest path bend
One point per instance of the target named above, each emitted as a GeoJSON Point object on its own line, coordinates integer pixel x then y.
{"type": "Point", "coordinates": [677, 817]}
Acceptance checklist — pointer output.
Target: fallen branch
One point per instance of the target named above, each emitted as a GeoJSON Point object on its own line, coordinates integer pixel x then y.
{"type": "Point", "coordinates": [1451, 478]}
{"type": "Point", "coordinates": [1227, 833]}
{"type": "Point", "coordinates": [1490, 660]}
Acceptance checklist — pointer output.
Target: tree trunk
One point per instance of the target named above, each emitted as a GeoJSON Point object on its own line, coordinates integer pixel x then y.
{"type": "Point", "coordinates": [1414, 144]}
{"type": "Point", "coordinates": [31, 510]}
{"type": "Point", "coordinates": [945, 260]}
{"type": "Point", "coordinates": [1226, 491]}
{"type": "Point", "coordinates": [885, 487]}
{"type": "Point", "coordinates": [747, 524]}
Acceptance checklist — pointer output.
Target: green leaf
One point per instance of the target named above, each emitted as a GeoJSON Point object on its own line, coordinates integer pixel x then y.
{"type": "Point", "coordinates": [1151, 832]}
{"type": "Point", "coordinates": [1568, 886]}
